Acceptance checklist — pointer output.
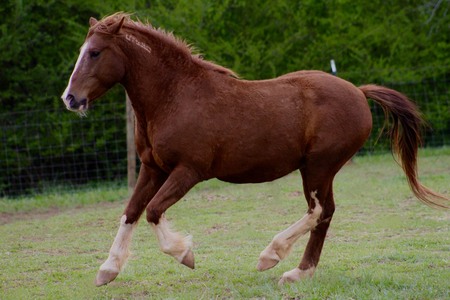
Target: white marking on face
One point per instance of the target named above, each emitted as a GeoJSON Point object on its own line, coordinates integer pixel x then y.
{"type": "Point", "coordinates": [171, 242]}
{"type": "Point", "coordinates": [75, 69]}
{"type": "Point", "coordinates": [119, 251]}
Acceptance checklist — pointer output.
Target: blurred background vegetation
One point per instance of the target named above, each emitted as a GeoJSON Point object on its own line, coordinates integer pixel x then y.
{"type": "Point", "coordinates": [403, 44]}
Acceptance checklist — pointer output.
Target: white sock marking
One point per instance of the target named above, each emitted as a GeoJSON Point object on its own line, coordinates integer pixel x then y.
{"type": "Point", "coordinates": [119, 251]}
{"type": "Point", "coordinates": [296, 274]}
{"type": "Point", "coordinates": [171, 242]}
{"type": "Point", "coordinates": [282, 243]}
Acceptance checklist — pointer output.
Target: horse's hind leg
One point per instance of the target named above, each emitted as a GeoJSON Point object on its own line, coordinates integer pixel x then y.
{"type": "Point", "coordinates": [318, 181]}
{"type": "Point", "coordinates": [148, 184]}
{"type": "Point", "coordinates": [282, 243]}
{"type": "Point", "coordinates": [317, 184]}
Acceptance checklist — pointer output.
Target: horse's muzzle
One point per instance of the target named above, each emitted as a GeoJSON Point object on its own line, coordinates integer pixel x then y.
{"type": "Point", "coordinates": [73, 104]}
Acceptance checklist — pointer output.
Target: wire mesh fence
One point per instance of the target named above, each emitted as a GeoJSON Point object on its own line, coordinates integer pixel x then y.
{"type": "Point", "coordinates": [44, 148]}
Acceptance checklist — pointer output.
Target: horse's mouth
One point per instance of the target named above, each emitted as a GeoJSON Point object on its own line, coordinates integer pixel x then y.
{"type": "Point", "coordinates": [81, 110]}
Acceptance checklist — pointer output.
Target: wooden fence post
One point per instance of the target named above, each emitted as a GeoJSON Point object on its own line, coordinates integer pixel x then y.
{"type": "Point", "coordinates": [131, 147]}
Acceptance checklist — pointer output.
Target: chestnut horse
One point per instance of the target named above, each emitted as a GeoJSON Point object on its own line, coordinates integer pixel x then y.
{"type": "Point", "coordinates": [196, 120]}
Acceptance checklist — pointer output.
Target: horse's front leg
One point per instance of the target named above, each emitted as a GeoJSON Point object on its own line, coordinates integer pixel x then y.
{"type": "Point", "coordinates": [179, 182]}
{"type": "Point", "coordinates": [174, 243]}
{"type": "Point", "coordinates": [149, 182]}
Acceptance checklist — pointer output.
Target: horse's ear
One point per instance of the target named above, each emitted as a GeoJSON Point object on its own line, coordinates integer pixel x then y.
{"type": "Point", "coordinates": [92, 21]}
{"type": "Point", "coordinates": [115, 28]}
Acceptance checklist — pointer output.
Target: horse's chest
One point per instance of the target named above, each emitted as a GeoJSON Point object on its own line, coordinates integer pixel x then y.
{"type": "Point", "coordinates": [154, 150]}
{"type": "Point", "coordinates": [160, 162]}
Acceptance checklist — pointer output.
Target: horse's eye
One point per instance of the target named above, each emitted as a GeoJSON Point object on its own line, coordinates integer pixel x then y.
{"type": "Point", "coordinates": [94, 54]}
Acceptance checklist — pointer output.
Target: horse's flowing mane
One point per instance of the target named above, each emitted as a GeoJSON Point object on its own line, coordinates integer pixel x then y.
{"type": "Point", "coordinates": [167, 38]}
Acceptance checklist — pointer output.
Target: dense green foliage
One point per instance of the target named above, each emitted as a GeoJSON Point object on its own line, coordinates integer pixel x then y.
{"type": "Point", "coordinates": [372, 41]}
{"type": "Point", "coordinates": [263, 39]}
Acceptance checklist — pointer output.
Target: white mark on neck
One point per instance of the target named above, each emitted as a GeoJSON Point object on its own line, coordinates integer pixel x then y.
{"type": "Point", "coordinates": [134, 40]}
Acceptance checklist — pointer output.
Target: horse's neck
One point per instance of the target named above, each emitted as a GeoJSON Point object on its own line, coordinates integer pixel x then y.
{"type": "Point", "coordinates": [152, 74]}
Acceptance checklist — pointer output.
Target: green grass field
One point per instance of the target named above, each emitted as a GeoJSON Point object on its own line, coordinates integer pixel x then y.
{"type": "Point", "coordinates": [382, 244]}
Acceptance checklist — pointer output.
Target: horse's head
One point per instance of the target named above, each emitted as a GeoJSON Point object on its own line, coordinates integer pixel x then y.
{"type": "Point", "coordinates": [98, 68]}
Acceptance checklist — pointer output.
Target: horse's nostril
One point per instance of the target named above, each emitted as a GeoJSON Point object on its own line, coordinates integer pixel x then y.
{"type": "Point", "coordinates": [83, 102]}
{"type": "Point", "coordinates": [70, 97]}
{"type": "Point", "coordinates": [71, 101]}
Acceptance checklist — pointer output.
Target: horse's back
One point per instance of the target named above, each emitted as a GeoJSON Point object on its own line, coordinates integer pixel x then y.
{"type": "Point", "coordinates": [323, 102]}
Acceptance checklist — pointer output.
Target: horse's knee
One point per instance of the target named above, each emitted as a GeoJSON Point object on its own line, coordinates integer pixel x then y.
{"type": "Point", "coordinates": [132, 216]}
{"type": "Point", "coordinates": [153, 215]}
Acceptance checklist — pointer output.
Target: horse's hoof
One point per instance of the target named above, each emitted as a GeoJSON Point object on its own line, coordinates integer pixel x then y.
{"type": "Point", "coordinates": [188, 259]}
{"type": "Point", "coordinates": [268, 259]}
{"type": "Point", "coordinates": [105, 277]}
{"type": "Point", "coordinates": [265, 263]}
{"type": "Point", "coordinates": [296, 275]}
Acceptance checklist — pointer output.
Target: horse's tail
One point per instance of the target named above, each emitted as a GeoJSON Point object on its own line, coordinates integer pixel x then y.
{"type": "Point", "coordinates": [405, 137]}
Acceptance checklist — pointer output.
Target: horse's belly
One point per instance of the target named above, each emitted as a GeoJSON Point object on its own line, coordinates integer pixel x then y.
{"type": "Point", "coordinates": [258, 173]}
{"type": "Point", "coordinates": [258, 159]}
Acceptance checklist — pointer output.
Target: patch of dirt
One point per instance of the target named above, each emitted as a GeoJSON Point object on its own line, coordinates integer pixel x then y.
{"type": "Point", "coordinates": [295, 194]}
{"type": "Point", "coordinates": [6, 218]}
